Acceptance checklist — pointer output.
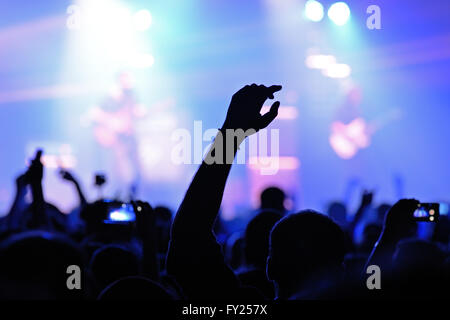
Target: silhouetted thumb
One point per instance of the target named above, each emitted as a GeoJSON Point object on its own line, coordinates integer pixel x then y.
{"type": "Point", "coordinates": [270, 116]}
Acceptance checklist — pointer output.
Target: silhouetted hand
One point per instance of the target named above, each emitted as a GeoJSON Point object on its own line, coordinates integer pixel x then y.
{"type": "Point", "coordinates": [35, 173]}
{"type": "Point", "coordinates": [398, 224]}
{"type": "Point", "coordinates": [366, 199]}
{"type": "Point", "coordinates": [245, 107]}
{"type": "Point", "coordinates": [66, 175]}
{"type": "Point", "coordinates": [36, 169]}
{"type": "Point", "coordinates": [399, 221]}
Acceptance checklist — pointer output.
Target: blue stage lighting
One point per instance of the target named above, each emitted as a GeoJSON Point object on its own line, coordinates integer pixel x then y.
{"type": "Point", "coordinates": [339, 13]}
{"type": "Point", "coordinates": [314, 10]}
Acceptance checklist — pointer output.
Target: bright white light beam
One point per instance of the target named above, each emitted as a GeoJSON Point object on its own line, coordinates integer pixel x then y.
{"type": "Point", "coordinates": [314, 10]}
{"type": "Point", "coordinates": [339, 13]}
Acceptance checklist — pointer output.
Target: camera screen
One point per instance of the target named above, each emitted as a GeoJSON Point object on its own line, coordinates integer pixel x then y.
{"type": "Point", "coordinates": [427, 212]}
{"type": "Point", "coordinates": [121, 214]}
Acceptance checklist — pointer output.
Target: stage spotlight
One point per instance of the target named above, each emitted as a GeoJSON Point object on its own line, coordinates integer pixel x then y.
{"type": "Point", "coordinates": [314, 10]}
{"type": "Point", "coordinates": [338, 70]}
{"type": "Point", "coordinates": [142, 20]}
{"type": "Point", "coordinates": [142, 60]}
{"type": "Point", "coordinates": [339, 13]}
{"type": "Point", "coordinates": [320, 61]}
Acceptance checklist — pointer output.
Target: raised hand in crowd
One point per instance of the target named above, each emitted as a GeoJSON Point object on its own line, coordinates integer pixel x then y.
{"type": "Point", "coordinates": [195, 258]}
{"type": "Point", "coordinates": [68, 176]}
{"type": "Point", "coordinates": [399, 224]}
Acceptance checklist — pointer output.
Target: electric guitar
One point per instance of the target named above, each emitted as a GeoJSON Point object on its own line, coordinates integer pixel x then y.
{"type": "Point", "coordinates": [347, 139]}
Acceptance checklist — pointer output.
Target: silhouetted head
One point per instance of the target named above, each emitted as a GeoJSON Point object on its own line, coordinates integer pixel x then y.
{"type": "Point", "coordinates": [110, 263]}
{"type": "Point", "coordinates": [304, 247]}
{"type": "Point", "coordinates": [371, 234]}
{"type": "Point", "coordinates": [273, 198]}
{"type": "Point", "coordinates": [414, 254]}
{"type": "Point", "coordinates": [256, 241]}
{"type": "Point", "coordinates": [135, 288]}
{"type": "Point", "coordinates": [419, 268]}
{"type": "Point", "coordinates": [382, 209]}
{"type": "Point", "coordinates": [34, 266]}
{"type": "Point", "coordinates": [338, 212]}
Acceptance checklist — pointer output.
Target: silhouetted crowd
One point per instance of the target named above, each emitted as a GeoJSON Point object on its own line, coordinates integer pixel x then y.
{"type": "Point", "coordinates": [192, 255]}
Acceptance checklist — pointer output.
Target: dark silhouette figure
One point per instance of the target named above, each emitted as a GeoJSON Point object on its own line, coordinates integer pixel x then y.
{"type": "Point", "coordinates": [338, 212]}
{"type": "Point", "coordinates": [418, 271]}
{"type": "Point", "coordinates": [371, 234]}
{"type": "Point", "coordinates": [399, 224]}
{"type": "Point", "coordinates": [110, 263]}
{"type": "Point", "coordinates": [195, 258]}
{"type": "Point", "coordinates": [273, 198]}
{"type": "Point", "coordinates": [306, 255]}
{"type": "Point", "coordinates": [34, 266]}
{"type": "Point", "coordinates": [69, 177]}
{"type": "Point", "coordinates": [256, 250]}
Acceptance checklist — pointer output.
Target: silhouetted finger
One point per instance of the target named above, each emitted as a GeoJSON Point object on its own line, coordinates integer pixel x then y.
{"type": "Point", "coordinates": [272, 89]}
{"type": "Point", "coordinates": [38, 155]}
{"type": "Point", "coordinates": [267, 118]}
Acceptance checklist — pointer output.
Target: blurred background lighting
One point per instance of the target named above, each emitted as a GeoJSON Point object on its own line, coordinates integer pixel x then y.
{"type": "Point", "coordinates": [339, 70]}
{"type": "Point", "coordinates": [141, 60]}
{"type": "Point", "coordinates": [142, 20]}
{"type": "Point", "coordinates": [320, 61]}
{"type": "Point", "coordinates": [283, 163]}
{"type": "Point", "coordinates": [314, 10]}
{"type": "Point", "coordinates": [284, 112]}
{"type": "Point", "coordinates": [339, 13]}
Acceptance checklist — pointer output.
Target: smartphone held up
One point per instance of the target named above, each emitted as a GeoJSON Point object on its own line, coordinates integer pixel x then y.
{"type": "Point", "coordinates": [427, 212]}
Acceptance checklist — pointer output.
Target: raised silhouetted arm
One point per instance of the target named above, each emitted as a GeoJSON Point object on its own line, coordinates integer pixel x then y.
{"type": "Point", "coordinates": [194, 257]}
{"type": "Point", "coordinates": [14, 217]}
{"type": "Point", "coordinates": [399, 224]}
{"type": "Point", "coordinates": [35, 172]}
{"type": "Point", "coordinates": [68, 176]}
{"type": "Point", "coordinates": [366, 201]}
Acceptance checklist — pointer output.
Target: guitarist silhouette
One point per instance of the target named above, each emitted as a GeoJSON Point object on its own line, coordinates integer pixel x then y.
{"type": "Point", "coordinates": [114, 128]}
